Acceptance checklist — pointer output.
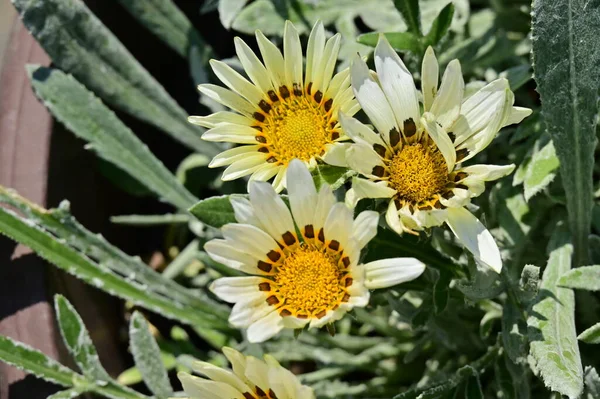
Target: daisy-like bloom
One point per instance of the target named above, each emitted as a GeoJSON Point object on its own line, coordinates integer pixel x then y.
{"type": "Point", "coordinates": [304, 265]}
{"type": "Point", "coordinates": [416, 157]}
{"type": "Point", "coordinates": [282, 114]}
{"type": "Point", "coordinates": [251, 378]}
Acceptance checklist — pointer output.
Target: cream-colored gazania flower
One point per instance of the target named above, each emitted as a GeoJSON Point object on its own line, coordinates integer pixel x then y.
{"type": "Point", "coordinates": [416, 159]}
{"type": "Point", "coordinates": [251, 378]}
{"type": "Point", "coordinates": [297, 279]}
{"type": "Point", "coordinates": [280, 115]}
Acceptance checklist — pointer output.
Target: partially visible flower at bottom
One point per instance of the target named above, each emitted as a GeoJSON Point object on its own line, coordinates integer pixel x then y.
{"type": "Point", "coordinates": [251, 378]}
{"type": "Point", "coordinates": [309, 278]}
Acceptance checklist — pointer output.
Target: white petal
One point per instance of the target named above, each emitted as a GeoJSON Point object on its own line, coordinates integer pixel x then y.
{"type": "Point", "coordinates": [393, 219]}
{"type": "Point", "coordinates": [371, 98]}
{"type": "Point", "coordinates": [461, 198]}
{"type": "Point", "coordinates": [228, 98]}
{"type": "Point", "coordinates": [338, 225]}
{"type": "Point", "coordinates": [325, 201]}
{"type": "Point", "coordinates": [237, 360]}
{"type": "Point", "coordinates": [232, 133]}
{"type": "Point", "coordinates": [441, 139]}
{"type": "Point", "coordinates": [446, 106]}
{"type": "Point", "coordinates": [302, 193]}
{"type": "Point", "coordinates": [388, 272]}
{"type": "Point", "coordinates": [243, 211]}
{"type": "Point", "coordinates": [475, 237]}
{"type": "Point", "coordinates": [212, 120]}
{"type": "Point", "coordinates": [224, 252]}
{"type": "Point", "coordinates": [397, 83]}
{"type": "Point", "coordinates": [279, 182]}
{"type": "Point", "coordinates": [265, 328]}
{"type": "Point", "coordinates": [233, 289]}
{"type": "Point", "coordinates": [228, 157]}
{"type": "Point", "coordinates": [264, 173]}
{"type": "Point", "coordinates": [429, 78]}
{"type": "Point", "coordinates": [243, 167]}
{"type": "Point", "coordinates": [339, 83]}
{"type": "Point", "coordinates": [236, 82]}
{"type": "Point", "coordinates": [335, 154]}
{"type": "Point", "coordinates": [478, 110]}
{"type": "Point", "coordinates": [252, 65]}
{"type": "Point", "coordinates": [362, 188]}
{"type": "Point", "coordinates": [271, 210]}
{"type": "Point", "coordinates": [282, 382]}
{"type": "Point", "coordinates": [292, 51]}
{"type": "Point", "coordinates": [364, 228]}
{"type": "Point", "coordinates": [257, 371]}
{"type": "Point", "coordinates": [359, 132]}
{"type": "Point", "coordinates": [252, 308]}
{"type": "Point", "coordinates": [330, 54]}
{"type": "Point", "coordinates": [517, 114]}
{"type": "Point", "coordinates": [273, 60]}
{"type": "Point", "coordinates": [314, 53]}
{"type": "Point", "coordinates": [196, 387]}
{"type": "Point", "coordinates": [488, 172]}
{"type": "Point", "coordinates": [220, 375]}
{"type": "Point", "coordinates": [362, 158]}
{"type": "Point", "coordinates": [249, 239]}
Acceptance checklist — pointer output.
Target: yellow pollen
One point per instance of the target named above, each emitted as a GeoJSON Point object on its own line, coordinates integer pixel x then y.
{"type": "Point", "coordinates": [310, 281]}
{"type": "Point", "coordinates": [297, 127]}
{"type": "Point", "coordinates": [418, 172]}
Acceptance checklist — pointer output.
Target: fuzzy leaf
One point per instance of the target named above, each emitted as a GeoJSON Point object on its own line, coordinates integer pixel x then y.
{"type": "Point", "coordinates": [147, 357]}
{"type": "Point", "coordinates": [228, 10]}
{"type": "Point", "coordinates": [67, 394]}
{"type": "Point", "coordinates": [540, 170]}
{"type": "Point", "coordinates": [529, 283]}
{"type": "Point", "coordinates": [411, 13]}
{"type": "Point", "coordinates": [214, 211]}
{"type": "Point", "coordinates": [37, 363]}
{"type": "Point", "coordinates": [591, 335]}
{"type": "Point", "coordinates": [582, 278]}
{"type": "Point", "coordinates": [335, 176]}
{"type": "Point", "coordinates": [400, 41]}
{"type": "Point", "coordinates": [86, 116]}
{"type": "Point", "coordinates": [566, 55]}
{"type": "Point", "coordinates": [150, 220]}
{"type": "Point", "coordinates": [78, 341]}
{"type": "Point", "coordinates": [66, 258]}
{"type": "Point", "coordinates": [514, 333]}
{"type": "Point", "coordinates": [592, 383]}
{"type": "Point", "coordinates": [551, 329]}
{"type": "Point", "coordinates": [440, 25]}
{"type": "Point", "coordinates": [165, 20]}
{"type": "Point", "coordinates": [517, 76]}
{"type": "Point", "coordinates": [80, 44]}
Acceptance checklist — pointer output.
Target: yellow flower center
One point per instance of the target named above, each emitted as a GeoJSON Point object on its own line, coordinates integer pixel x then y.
{"type": "Point", "coordinates": [418, 172]}
{"type": "Point", "coordinates": [310, 281]}
{"type": "Point", "coordinates": [295, 126]}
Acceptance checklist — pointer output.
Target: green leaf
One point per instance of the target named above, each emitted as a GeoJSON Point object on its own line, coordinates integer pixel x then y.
{"type": "Point", "coordinates": [214, 211]}
{"type": "Point", "coordinates": [409, 9]}
{"type": "Point", "coordinates": [592, 383]}
{"type": "Point", "coordinates": [64, 257]}
{"type": "Point", "coordinates": [165, 20]}
{"type": "Point", "coordinates": [591, 335]}
{"type": "Point", "coordinates": [228, 10]}
{"type": "Point", "coordinates": [582, 278]}
{"type": "Point", "coordinates": [86, 116]}
{"type": "Point", "coordinates": [473, 388]}
{"type": "Point", "coordinates": [551, 329]}
{"type": "Point", "coordinates": [566, 55]}
{"type": "Point", "coordinates": [146, 354]}
{"type": "Point", "coordinates": [400, 41]}
{"type": "Point", "coordinates": [517, 76]}
{"type": "Point", "coordinates": [540, 169]}
{"type": "Point", "coordinates": [68, 394]}
{"type": "Point", "coordinates": [440, 25]}
{"type": "Point", "coordinates": [511, 379]}
{"type": "Point", "coordinates": [514, 332]}
{"type": "Point", "coordinates": [37, 363]}
{"type": "Point", "coordinates": [441, 292]}
{"type": "Point", "coordinates": [78, 341]}
{"type": "Point", "coordinates": [150, 220]}
{"type": "Point", "coordinates": [80, 44]}
{"type": "Point", "coordinates": [335, 176]}
{"type": "Point", "coordinates": [529, 283]}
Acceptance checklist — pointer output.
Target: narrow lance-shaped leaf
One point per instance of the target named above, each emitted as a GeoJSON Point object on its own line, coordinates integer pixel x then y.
{"type": "Point", "coordinates": [165, 20]}
{"type": "Point", "coordinates": [440, 25]}
{"type": "Point", "coordinates": [591, 335]}
{"type": "Point", "coordinates": [67, 394]}
{"type": "Point", "coordinates": [78, 341]}
{"type": "Point", "coordinates": [86, 116]}
{"type": "Point", "coordinates": [214, 211]}
{"type": "Point", "coordinates": [582, 278]}
{"type": "Point", "coordinates": [400, 41]}
{"type": "Point", "coordinates": [66, 258]}
{"type": "Point", "coordinates": [228, 10]}
{"type": "Point", "coordinates": [541, 169]}
{"type": "Point", "coordinates": [80, 44]}
{"type": "Point", "coordinates": [551, 329]}
{"type": "Point", "coordinates": [147, 357]}
{"type": "Point", "coordinates": [566, 55]}
{"type": "Point", "coordinates": [409, 9]}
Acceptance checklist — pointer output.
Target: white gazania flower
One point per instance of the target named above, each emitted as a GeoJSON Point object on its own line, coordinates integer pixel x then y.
{"type": "Point", "coordinates": [416, 159]}
{"type": "Point", "coordinates": [282, 114]}
{"type": "Point", "coordinates": [251, 378]}
{"type": "Point", "coordinates": [296, 279]}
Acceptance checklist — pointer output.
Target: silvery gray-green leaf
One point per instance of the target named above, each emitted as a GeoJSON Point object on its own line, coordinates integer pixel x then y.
{"type": "Point", "coordinates": [591, 335]}
{"type": "Point", "coordinates": [541, 169]}
{"type": "Point", "coordinates": [86, 116]}
{"type": "Point", "coordinates": [80, 44]}
{"type": "Point", "coordinates": [67, 394]}
{"type": "Point", "coordinates": [582, 278]}
{"type": "Point", "coordinates": [78, 341]}
{"type": "Point", "coordinates": [566, 55]}
{"type": "Point", "coordinates": [529, 283]}
{"type": "Point", "coordinates": [551, 329]}
{"type": "Point", "coordinates": [228, 10]}
{"type": "Point", "coordinates": [514, 333]}
{"type": "Point", "coordinates": [165, 20]}
{"type": "Point", "coordinates": [147, 357]}
{"type": "Point", "coordinates": [592, 383]}
{"type": "Point", "coordinates": [150, 220]}
{"type": "Point", "coordinates": [214, 211]}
